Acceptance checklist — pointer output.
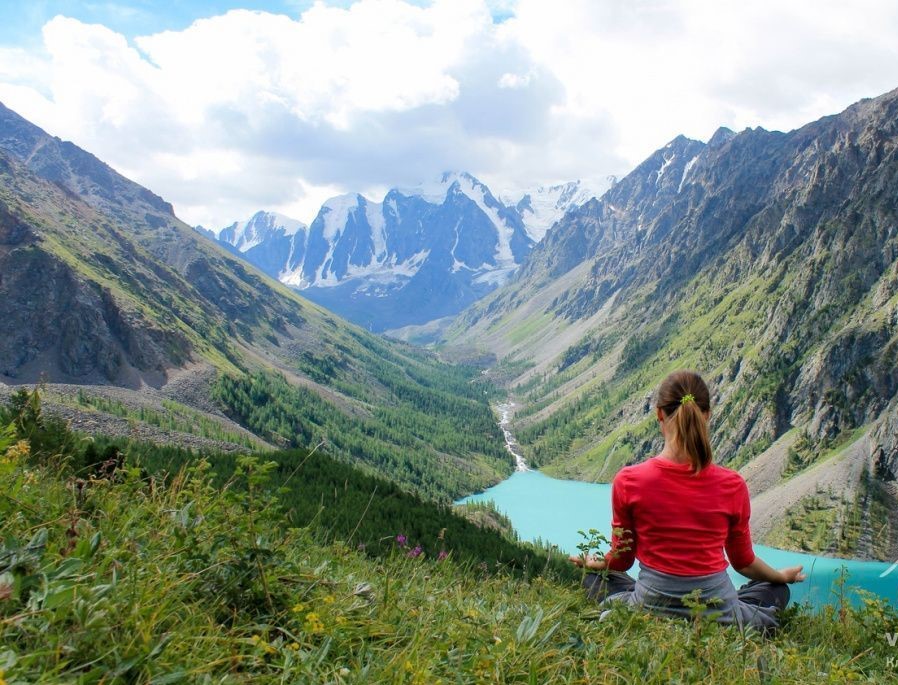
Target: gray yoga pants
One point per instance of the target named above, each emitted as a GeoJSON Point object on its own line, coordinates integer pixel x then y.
{"type": "Point", "coordinates": [756, 603]}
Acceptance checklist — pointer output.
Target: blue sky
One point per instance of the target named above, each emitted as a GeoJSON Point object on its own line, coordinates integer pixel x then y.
{"type": "Point", "coordinates": [21, 20]}
{"type": "Point", "coordinates": [290, 103]}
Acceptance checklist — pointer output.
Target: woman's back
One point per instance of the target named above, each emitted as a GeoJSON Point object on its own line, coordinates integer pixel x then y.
{"type": "Point", "coordinates": [682, 520]}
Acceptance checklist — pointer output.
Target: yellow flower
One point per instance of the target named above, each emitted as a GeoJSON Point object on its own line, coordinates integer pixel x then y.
{"type": "Point", "coordinates": [20, 450]}
{"type": "Point", "coordinates": [329, 599]}
{"type": "Point", "coordinates": [2, 679]}
{"type": "Point", "coordinates": [340, 620]}
{"type": "Point", "coordinates": [294, 646]}
{"type": "Point", "coordinates": [297, 608]}
{"type": "Point", "coordinates": [313, 623]}
{"type": "Point", "coordinates": [409, 666]}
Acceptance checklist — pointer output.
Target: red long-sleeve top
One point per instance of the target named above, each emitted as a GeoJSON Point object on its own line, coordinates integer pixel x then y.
{"type": "Point", "coordinates": [679, 522]}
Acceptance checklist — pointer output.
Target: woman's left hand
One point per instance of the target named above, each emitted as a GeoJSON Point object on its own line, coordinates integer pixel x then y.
{"type": "Point", "coordinates": [590, 562]}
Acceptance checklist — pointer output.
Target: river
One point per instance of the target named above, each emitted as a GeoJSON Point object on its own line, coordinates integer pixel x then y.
{"type": "Point", "coordinates": [541, 507]}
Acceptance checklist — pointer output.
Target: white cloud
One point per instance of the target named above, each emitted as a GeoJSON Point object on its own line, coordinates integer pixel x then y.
{"type": "Point", "coordinates": [253, 110]}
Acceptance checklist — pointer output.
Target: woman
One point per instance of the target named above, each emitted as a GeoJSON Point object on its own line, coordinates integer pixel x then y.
{"type": "Point", "coordinates": [677, 513]}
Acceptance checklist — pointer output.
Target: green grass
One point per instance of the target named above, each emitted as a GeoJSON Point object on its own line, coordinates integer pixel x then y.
{"type": "Point", "coordinates": [528, 328]}
{"type": "Point", "coordinates": [136, 580]}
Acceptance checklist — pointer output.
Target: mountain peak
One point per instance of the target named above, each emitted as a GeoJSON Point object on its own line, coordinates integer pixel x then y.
{"type": "Point", "coordinates": [721, 136]}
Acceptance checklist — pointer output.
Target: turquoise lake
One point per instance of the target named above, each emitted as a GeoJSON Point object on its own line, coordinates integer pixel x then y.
{"type": "Point", "coordinates": [554, 510]}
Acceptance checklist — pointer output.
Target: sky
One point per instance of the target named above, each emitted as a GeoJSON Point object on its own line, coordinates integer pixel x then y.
{"type": "Point", "coordinates": [226, 108]}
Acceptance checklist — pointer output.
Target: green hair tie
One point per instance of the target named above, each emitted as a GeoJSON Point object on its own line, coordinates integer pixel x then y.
{"type": "Point", "coordinates": [687, 398]}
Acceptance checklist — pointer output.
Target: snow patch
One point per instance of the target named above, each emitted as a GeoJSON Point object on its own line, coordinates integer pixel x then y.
{"type": "Point", "coordinates": [477, 192]}
{"type": "Point", "coordinates": [667, 163]}
{"type": "Point", "coordinates": [686, 170]}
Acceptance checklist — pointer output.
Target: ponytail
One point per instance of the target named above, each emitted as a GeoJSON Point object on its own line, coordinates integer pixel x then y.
{"type": "Point", "coordinates": [685, 401]}
{"type": "Point", "coordinates": [692, 434]}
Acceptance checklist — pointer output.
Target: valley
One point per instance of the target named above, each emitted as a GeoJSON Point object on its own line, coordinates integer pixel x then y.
{"type": "Point", "coordinates": [338, 339]}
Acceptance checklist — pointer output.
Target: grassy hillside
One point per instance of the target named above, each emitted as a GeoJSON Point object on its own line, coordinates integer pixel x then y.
{"type": "Point", "coordinates": [124, 578]}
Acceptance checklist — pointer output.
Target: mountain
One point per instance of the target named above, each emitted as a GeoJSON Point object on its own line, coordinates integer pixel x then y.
{"type": "Point", "coordinates": [422, 253]}
{"type": "Point", "coordinates": [541, 207]}
{"type": "Point", "coordinates": [102, 286]}
{"type": "Point", "coordinates": [264, 239]}
{"type": "Point", "coordinates": [766, 260]}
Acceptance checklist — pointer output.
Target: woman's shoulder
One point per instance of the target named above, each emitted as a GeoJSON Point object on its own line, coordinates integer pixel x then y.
{"type": "Point", "coordinates": [725, 475]}
{"type": "Point", "coordinates": [638, 470]}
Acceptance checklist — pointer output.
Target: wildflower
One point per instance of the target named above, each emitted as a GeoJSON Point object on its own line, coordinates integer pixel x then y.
{"type": "Point", "coordinates": [401, 540]}
{"type": "Point", "coordinates": [294, 646]}
{"type": "Point", "coordinates": [2, 679]}
{"type": "Point", "coordinates": [340, 620]}
{"type": "Point", "coordinates": [330, 599]}
{"type": "Point", "coordinates": [313, 623]}
{"type": "Point", "coordinates": [20, 450]}
{"type": "Point", "coordinates": [416, 552]}
{"type": "Point", "coordinates": [443, 555]}
{"type": "Point", "coordinates": [409, 666]}
{"type": "Point", "coordinates": [297, 608]}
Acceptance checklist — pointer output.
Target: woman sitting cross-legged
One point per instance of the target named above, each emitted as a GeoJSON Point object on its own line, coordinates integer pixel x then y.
{"type": "Point", "coordinates": [677, 513]}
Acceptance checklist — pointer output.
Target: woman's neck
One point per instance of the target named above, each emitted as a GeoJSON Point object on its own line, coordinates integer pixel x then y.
{"type": "Point", "coordinates": [673, 453]}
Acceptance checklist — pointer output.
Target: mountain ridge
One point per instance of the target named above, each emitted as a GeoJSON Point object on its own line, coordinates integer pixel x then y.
{"type": "Point", "coordinates": [422, 253]}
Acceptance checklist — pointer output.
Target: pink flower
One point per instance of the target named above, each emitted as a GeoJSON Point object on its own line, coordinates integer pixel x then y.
{"type": "Point", "coordinates": [443, 555]}
{"type": "Point", "coordinates": [416, 552]}
{"type": "Point", "coordinates": [401, 540]}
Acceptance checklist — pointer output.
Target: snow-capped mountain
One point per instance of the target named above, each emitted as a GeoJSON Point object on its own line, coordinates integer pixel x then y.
{"type": "Point", "coordinates": [542, 206]}
{"type": "Point", "coordinates": [420, 254]}
{"type": "Point", "coordinates": [264, 239]}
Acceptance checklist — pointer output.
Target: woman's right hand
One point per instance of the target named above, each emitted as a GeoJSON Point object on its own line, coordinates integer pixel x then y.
{"type": "Point", "coordinates": [759, 570]}
{"type": "Point", "coordinates": [590, 562]}
{"type": "Point", "coordinates": [792, 574]}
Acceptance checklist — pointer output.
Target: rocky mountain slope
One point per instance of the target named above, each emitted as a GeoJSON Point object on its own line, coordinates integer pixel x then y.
{"type": "Point", "coordinates": [100, 284]}
{"type": "Point", "coordinates": [420, 254]}
{"type": "Point", "coordinates": [766, 260]}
